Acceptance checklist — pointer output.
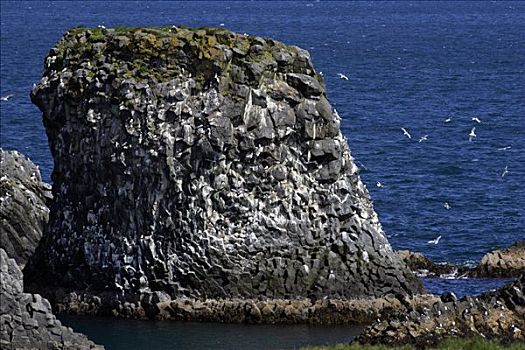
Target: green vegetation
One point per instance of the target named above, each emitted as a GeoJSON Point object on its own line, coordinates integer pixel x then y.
{"type": "Point", "coordinates": [449, 344]}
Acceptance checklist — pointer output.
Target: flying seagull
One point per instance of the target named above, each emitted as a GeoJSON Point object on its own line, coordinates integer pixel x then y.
{"type": "Point", "coordinates": [6, 98]}
{"type": "Point", "coordinates": [476, 119]}
{"type": "Point", "coordinates": [434, 241]}
{"type": "Point", "coordinates": [448, 120]}
{"type": "Point", "coordinates": [506, 171]}
{"type": "Point", "coordinates": [342, 76]}
{"type": "Point", "coordinates": [504, 148]}
{"type": "Point", "coordinates": [424, 138]}
{"type": "Point", "coordinates": [446, 205]}
{"type": "Point", "coordinates": [379, 184]}
{"type": "Point", "coordinates": [472, 134]}
{"type": "Point", "coordinates": [405, 132]}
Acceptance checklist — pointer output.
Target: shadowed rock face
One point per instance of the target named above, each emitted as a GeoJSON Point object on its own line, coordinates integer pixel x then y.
{"type": "Point", "coordinates": [23, 205]}
{"type": "Point", "coordinates": [26, 319]}
{"type": "Point", "coordinates": [200, 162]}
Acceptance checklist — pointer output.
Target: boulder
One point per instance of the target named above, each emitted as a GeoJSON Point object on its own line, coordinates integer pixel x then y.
{"type": "Point", "coordinates": [508, 262]}
{"type": "Point", "coordinates": [23, 205]}
{"type": "Point", "coordinates": [423, 266]}
{"type": "Point", "coordinates": [26, 320]}
{"type": "Point", "coordinates": [202, 163]}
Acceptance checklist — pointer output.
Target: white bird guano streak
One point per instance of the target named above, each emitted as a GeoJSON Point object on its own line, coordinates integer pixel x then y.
{"type": "Point", "coordinates": [247, 108]}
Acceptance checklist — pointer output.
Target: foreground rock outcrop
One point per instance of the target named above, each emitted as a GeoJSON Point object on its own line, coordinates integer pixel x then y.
{"type": "Point", "coordinates": [26, 320]}
{"type": "Point", "coordinates": [499, 314]}
{"type": "Point", "coordinates": [202, 163]}
{"type": "Point", "coordinates": [23, 205]}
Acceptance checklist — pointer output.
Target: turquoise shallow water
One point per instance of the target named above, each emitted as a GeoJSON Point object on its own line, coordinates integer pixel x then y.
{"type": "Point", "coordinates": [138, 335]}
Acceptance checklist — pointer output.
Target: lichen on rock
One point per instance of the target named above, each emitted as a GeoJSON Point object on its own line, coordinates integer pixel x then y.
{"type": "Point", "coordinates": [203, 163]}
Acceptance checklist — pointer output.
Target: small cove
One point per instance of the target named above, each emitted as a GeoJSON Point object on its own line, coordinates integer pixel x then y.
{"type": "Point", "coordinates": [119, 334]}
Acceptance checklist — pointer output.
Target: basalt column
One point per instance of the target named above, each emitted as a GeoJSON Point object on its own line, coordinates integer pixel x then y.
{"type": "Point", "coordinates": [201, 162]}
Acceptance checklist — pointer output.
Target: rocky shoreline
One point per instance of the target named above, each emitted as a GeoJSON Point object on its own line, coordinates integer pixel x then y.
{"type": "Point", "coordinates": [159, 306]}
{"type": "Point", "coordinates": [500, 263]}
{"type": "Point", "coordinates": [201, 175]}
{"type": "Point", "coordinates": [498, 315]}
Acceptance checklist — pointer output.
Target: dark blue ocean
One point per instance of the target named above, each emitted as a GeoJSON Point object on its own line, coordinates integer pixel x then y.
{"type": "Point", "coordinates": [411, 65]}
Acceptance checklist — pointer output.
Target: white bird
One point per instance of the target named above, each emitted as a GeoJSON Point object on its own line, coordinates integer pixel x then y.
{"type": "Point", "coordinates": [448, 120]}
{"type": "Point", "coordinates": [434, 241]}
{"type": "Point", "coordinates": [424, 138]}
{"type": "Point", "coordinates": [472, 134]}
{"type": "Point", "coordinates": [222, 24]}
{"type": "Point", "coordinates": [506, 171]}
{"type": "Point", "coordinates": [476, 119]}
{"type": "Point", "coordinates": [6, 98]}
{"type": "Point", "coordinates": [379, 184]}
{"type": "Point", "coordinates": [342, 76]}
{"type": "Point", "coordinates": [101, 26]}
{"type": "Point", "coordinates": [406, 133]}
{"type": "Point", "coordinates": [446, 205]}
{"type": "Point", "coordinates": [504, 148]}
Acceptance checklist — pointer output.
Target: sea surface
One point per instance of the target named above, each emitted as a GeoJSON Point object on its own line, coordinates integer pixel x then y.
{"type": "Point", "coordinates": [428, 67]}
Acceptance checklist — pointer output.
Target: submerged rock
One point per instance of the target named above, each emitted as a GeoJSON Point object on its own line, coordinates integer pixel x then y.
{"type": "Point", "coordinates": [23, 205]}
{"type": "Point", "coordinates": [202, 163]}
{"type": "Point", "coordinates": [499, 314]}
{"type": "Point", "coordinates": [26, 320]}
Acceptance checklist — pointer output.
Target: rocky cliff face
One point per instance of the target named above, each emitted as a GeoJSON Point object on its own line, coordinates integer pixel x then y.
{"type": "Point", "coordinates": [23, 205]}
{"type": "Point", "coordinates": [200, 162]}
{"type": "Point", "coordinates": [26, 321]}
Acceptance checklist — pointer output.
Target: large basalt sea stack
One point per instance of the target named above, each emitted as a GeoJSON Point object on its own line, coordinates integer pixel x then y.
{"type": "Point", "coordinates": [202, 163]}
